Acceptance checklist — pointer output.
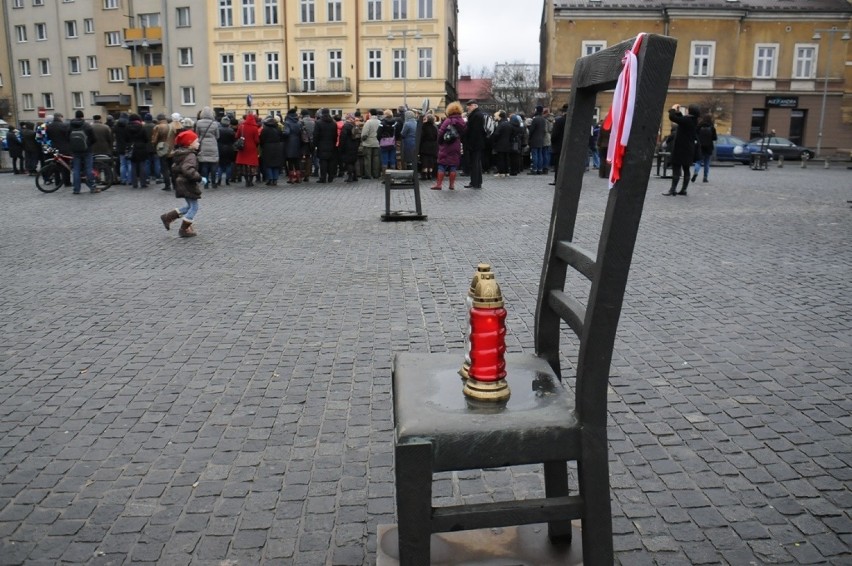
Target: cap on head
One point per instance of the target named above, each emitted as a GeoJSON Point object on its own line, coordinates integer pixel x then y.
{"type": "Point", "coordinates": [472, 101]}
{"type": "Point", "coordinates": [185, 138]}
{"type": "Point", "coordinates": [176, 117]}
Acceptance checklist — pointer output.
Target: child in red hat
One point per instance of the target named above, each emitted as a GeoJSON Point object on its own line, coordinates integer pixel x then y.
{"type": "Point", "coordinates": [187, 177]}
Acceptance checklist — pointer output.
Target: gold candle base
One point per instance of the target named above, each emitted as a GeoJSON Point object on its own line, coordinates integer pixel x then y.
{"type": "Point", "coordinates": [463, 371]}
{"type": "Point", "coordinates": [495, 391]}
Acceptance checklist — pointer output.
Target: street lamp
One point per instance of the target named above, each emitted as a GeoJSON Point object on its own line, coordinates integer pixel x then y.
{"type": "Point", "coordinates": [817, 37]}
{"type": "Point", "coordinates": [404, 33]}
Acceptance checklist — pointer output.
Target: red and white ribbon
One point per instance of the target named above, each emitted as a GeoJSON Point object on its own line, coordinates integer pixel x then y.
{"type": "Point", "coordinates": [620, 117]}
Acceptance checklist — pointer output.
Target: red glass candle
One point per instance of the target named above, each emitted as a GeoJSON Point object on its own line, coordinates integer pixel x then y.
{"type": "Point", "coordinates": [488, 343]}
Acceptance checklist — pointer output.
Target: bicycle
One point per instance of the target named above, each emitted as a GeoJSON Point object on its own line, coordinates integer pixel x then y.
{"type": "Point", "coordinates": [50, 178]}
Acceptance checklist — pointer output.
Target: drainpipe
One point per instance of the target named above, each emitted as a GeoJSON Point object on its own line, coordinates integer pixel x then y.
{"type": "Point", "coordinates": [286, 57]}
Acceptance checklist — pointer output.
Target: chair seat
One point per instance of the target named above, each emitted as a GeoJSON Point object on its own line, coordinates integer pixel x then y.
{"type": "Point", "coordinates": [538, 419]}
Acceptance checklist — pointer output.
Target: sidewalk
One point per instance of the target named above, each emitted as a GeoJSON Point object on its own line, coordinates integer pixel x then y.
{"type": "Point", "coordinates": [226, 399]}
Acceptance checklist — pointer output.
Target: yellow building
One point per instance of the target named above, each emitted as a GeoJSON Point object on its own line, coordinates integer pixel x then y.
{"type": "Point", "coordinates": [757, 65]}
{"type": "Point", "coordinates": [338, 54]}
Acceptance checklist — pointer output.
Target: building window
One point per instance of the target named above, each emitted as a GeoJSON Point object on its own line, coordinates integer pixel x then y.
{"type": "Point", "coordinates": [374, 10]}
{"type": "Point", "coordinates": [765, 60]}
{"type": "Point", "coordinates": [335, 11]}
{"type": "Point", "coordinates": [399, 63]}
{"type": "Point", "coordinates": [273, 67]}
{"type": "Point", "coordinates": [425, 9]}
{"type": "Point", "coordinates": [77, 100]}
{"type": "Point", "coordinates": [115, 74]}
{"type": "Point", "coordinates": [89, 25]}
{"type": "Point", "coordinates": [24, 65]}
{"type": "Point", "coordinates": [424, 62]}
{"type": "Point", "coordinates": [182, 15]}
{"type": "Point", "coordinates": [21, 34]}
{"type": "Point", "coordinates": [400, 9]}
{"type": "Point", "coordinates": [185, 56]}
{"type": "Point", "coordinates": [307, 13]}
{"type": "Point", "coordinates": [113, 38]}
{"type": "Point", "coordinates": [227, 65]}
{"type": "Point", "coordinates": [270, 12]}
{"type": "Point", "coordinates": [804, 65]}
{"type": "Point", "coordinates": [74, 65]}
{"type": "Point", "coordinates": [151, 20]}
{"type": "Point", "coordinates": [47, 100]}
{"type": "Point", "coordinates": [110, 4]}
{"type": "Point", "coordinates": [28, 101]}
{"type": "Point", "coordinates": [249, 67]}
{"type": "Point", "coordinates": [41, 32]}
{"type": "Point", "coordinates": [702, 59]}
{"type": "Point", "coordinates": [71, 29]}
{"type": "Point", "coordinates": [38, 2]}
{"type": "Point", "coordinates": [335, 64]}
{"type": "Point", "coordinates": [248, 13]}
{"type": "Point", "coordinates": [374, 63]}
{"type": "Point", "coordinates": [152, 58]}
{"type": "Point", "coordinates": [44, 67]}
{"type": "Point", "coordinates": [226, 14]}
{"type": "Point", "coordinates": [187, 95]}
{"type": "Point", "coordinates": [18, 4]}
{"type": "Point", "coordinates": [590, 47]}
{"type": "Point", "coordinates": [92, 62]}
{"type": "Point", "coordinates": [309, 83]}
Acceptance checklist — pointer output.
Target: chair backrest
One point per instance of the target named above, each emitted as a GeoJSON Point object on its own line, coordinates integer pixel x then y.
{"type": "Point", "coordinates": [596, 321]}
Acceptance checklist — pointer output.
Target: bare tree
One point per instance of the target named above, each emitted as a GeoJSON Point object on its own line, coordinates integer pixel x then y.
{"type": "Point", "coordinates": [716, 106]}
{"type": "Point", "coordinates": [481, 73]}
{"type": "Point", "coordinates": [514, 87]}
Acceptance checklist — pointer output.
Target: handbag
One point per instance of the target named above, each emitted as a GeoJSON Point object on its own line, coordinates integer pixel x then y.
{"type": "Point", "coordinates": [240, 143]}
{"type": "Point", "coordinates": [388, 141]}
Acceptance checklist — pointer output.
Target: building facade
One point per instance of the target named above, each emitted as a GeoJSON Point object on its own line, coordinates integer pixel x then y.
{"type": "Point", "coordinates": [108, 56]}
{"type": "Point", "coordinates": [756, 65]}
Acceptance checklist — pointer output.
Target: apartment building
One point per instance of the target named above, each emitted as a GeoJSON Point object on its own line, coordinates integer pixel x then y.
{"type": "Point", "coordinates": [757, 65]}
{"type": "Point", "coordinates": [338, 54]}
{"type": "Point", "coordinates": [108, 56]}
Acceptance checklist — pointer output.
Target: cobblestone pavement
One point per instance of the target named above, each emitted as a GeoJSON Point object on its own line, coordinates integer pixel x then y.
{"type": "Point", "coordinates": [226, 399]}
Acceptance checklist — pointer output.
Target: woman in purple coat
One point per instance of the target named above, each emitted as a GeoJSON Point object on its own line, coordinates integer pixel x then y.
{"type": "Point", "coordinates": [449, 145]}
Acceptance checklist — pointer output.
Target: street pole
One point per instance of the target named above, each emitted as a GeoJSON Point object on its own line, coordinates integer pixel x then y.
{"type": "Point", "coordinates": [405, 33]}
{"type": "Point", "coordinates": [818, 37]}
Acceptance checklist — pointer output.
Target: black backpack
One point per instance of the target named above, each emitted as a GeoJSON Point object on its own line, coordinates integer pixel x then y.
{"type": "Point", "coordinates": [79, 141]}
{"type": "Point", "coordinates": [705, 135]}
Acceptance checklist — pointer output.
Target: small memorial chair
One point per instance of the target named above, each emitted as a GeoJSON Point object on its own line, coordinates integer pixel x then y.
{"type": "Point", "coordinates": [544, 421]}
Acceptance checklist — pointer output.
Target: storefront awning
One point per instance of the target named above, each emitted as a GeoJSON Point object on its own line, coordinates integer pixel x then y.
{"type": "Point", "coordinates": [365, 103]}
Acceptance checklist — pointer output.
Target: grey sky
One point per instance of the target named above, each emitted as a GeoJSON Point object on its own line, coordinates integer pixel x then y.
{"type": "Point", "coordinates": [498, 31]}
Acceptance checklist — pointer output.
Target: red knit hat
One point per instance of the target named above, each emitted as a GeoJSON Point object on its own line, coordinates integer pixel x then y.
{"type": "Point", "coordinates": [185, 138]}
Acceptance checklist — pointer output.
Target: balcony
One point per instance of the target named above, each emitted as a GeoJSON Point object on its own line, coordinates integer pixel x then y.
{"type": "Point", "coordinates": [146, 74]}
{"type": "Point", "coordinates": [320, 86]}
{"type": "Point", "coordinates": [143, 37]}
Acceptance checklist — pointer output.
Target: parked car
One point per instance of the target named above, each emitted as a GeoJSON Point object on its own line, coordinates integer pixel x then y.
{"type": "Point", "coordinates": [732, 148]}
{"type": "Point", "coordinates": [783, 146]}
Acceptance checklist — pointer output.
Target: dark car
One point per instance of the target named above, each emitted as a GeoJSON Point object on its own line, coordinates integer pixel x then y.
{"type": "Point", "coordinates": [783, 146]}
{"type": "Point", "coordinates": [732, 148]}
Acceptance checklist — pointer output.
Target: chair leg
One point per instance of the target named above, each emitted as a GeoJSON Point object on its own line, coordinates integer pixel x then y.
{"type": "Point", "coordinates": [556, 485]}
{"type": "Point", "coordinates": [414, 502]}
{"type": "Point", "coordinates": [593, 476]}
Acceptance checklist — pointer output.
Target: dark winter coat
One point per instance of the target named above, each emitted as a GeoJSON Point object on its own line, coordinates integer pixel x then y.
{"type": "Point", "coordinates": [293, 136]}
{"type": "Point", "coordinates": [272, 145]}
{"type": "Point", "coordinates": [450, 153]}
{"type": "Point", "coordinates": [706, 137]}
{"type": "Point", "coordinates": [226, 141]}
{"type": "Point", "coordinates": [81, 124]}
{"type": "Point", "coordinates": [57, 133]}
{"type": "Point", "coordinates": [120, 134]}
{"type": "Point", "coordinates": [348, 145]}
{"type": "Point", "coordinates": [501, 139]}
{"type": "Point", "coordinates": [683, 152]}
{"type": "Point", "coordinates": [325, 137]}
{"type": "Point", "coordinates": [537, 130]}
{"type": "Point", "coordinates": [16, 148]}
{"type": "Point", "coordinates": [138, 141]}
{"type": "Point", "coordinates": [474, 138]}
{"type": "Point", "coordinates": [559, 133]}
{"type": "Point", "coordinates": [29, 141]}
{"type": "Point", "coordinates": [429, 140]}
{"type": "Point", "coordinates": [185, 172]}
{"type": "Point", "coordinates": [387, 129]}
{"type": "Point", "coordinates": [103, 139]}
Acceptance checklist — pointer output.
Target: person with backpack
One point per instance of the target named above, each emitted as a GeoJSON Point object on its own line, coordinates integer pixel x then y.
{"type": "Point", "coordinates": [706, 139]}
{"type": "Point", "coordinates": [81, 138]}
{"type": "Point", "coordinates": [387, 135]}
{"type": "Point", "coordinates": [449, 145]}
{"type": "Point", "coordinates": [474, 143]}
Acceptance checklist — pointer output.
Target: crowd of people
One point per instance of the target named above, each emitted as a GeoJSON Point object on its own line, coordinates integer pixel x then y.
{"type": "Point", "coordinates": [187, 155]}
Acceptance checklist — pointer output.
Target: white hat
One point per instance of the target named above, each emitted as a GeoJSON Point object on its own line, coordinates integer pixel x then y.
{"type": "Point", "coordinates": [176, 117]}
{"type": "Point", "coordinates": [187, 122]}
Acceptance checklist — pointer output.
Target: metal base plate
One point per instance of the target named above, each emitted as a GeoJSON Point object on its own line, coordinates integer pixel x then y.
{"type": "Point", "coordinates": [393, 216]}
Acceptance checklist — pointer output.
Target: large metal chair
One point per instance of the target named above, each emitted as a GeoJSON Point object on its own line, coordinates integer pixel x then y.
{"type": "Point", "coordinates": [436, 430]}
